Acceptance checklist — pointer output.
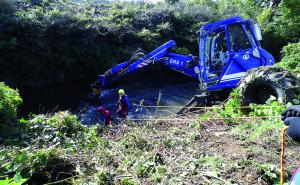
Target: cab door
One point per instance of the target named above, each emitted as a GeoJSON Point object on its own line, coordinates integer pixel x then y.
{"type": "Point", "coordinates": [216, 55]}
{"type": "Point", "coordinates": [242, 49]}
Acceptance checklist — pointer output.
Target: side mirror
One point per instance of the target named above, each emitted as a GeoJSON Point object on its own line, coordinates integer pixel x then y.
{"type": "Point", "coordinates": [257, 32]}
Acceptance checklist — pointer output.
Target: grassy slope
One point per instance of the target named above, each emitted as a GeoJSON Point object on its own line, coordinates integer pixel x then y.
{"type": "Point", "coordinates": [189, 152]}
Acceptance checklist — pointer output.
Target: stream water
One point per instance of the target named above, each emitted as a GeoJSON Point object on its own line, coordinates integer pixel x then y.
{"type": "Point", "coordinates": [175, 96]}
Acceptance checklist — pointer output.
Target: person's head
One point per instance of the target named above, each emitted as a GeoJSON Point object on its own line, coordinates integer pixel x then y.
{"type": "Point", "coordinates": [121, 92]}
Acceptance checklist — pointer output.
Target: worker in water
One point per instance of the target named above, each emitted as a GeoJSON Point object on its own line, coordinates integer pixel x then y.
{"type": "Point", "coordinates": [105, 116]}
{"type": "Point", "coordinates": [123, 104]}
{"type": "Point", "coordinates": [291, 118]}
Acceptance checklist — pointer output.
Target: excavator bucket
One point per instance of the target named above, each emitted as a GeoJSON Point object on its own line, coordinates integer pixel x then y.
{"type": "Point", "coordinates": [197, 103]}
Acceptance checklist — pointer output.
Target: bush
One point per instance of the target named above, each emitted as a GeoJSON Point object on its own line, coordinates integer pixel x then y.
{"type": "Point", "coordinates": [40, 166]}
{"type": "Point", "coordinates": [16, 180]}
{"type": "Point", "coordinates": [9, 102]}
{"type": "Point", "coordinates": [279, 22]}
{"type": "Point", "coordinates": [291, 57]}
{"type": "Point", "coordinates": [104, 178]}
{"type": "Point", "coordinates": [62, 128]}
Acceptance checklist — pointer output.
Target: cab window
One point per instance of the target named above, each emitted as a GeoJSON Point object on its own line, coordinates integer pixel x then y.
{"type": "Point", "coordinates": [250, 36]}
{"type": "Point", "coordinates": [238, 38]}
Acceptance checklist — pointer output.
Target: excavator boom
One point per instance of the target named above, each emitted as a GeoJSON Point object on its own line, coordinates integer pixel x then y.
{"type": "Point", "coordinates": [160, 55]}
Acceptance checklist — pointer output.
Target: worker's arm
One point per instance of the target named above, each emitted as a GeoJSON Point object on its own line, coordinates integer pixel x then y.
{"type": "Point", "coordinates": [127, 102]}
{"type": "Point", "coordinates": [291, 118]}
{"type": "Point", "coordinates": [294, 128]}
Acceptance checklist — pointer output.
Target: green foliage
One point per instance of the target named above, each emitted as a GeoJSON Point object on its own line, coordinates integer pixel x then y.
{"type": "Point", "coordinates": [144, 168]}
{"type": "Point", "coordinates": [159, 174]}
{"type": "Point", "coordinates": [43, 164]}
{"type": "Point", "coordinates": [232, 107]}
{"type": "Point", "coordinates": [271, 108]}
{"type": "Point", "coordinates": [280, 25]}
{"type": "Point", "coordinates": [291, 57]}
{"type": "Point", "coordinates": [104, 178]}
{"type": "Point", "coordinates": [61, 128]}
{"type": "Point", "coordinates": [265, 16]}
{"type": "Point", "coordinates": [16, 180]}
{"type": "Point", "coordinates": [126, 181]}
{"type": "Point", "coordinates": [9, 102]}
{"type": "Point", "coordinates": [181, 50]}
{"type": "Point", "coordinates": [270, 172]}
{"type": "Point", "coordinates": [146, 34]}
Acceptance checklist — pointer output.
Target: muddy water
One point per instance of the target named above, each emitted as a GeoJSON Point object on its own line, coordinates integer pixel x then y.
{"type": "Point", "coordinates": [175, 95]}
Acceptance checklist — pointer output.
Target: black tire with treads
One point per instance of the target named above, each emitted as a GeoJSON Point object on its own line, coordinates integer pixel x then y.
{"type": "Point", "coordinates": [260, 83]}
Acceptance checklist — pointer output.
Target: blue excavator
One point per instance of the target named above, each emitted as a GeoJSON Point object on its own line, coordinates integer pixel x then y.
{"type": "Point", "coordinates": [230, 55]}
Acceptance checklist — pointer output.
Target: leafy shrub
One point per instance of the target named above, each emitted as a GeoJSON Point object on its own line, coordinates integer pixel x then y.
{"type": "Point", "coordinates": [280, 25]}
{"type": "Point", "coordinates": [159, 174]}
{"type": "Point", "coordinates": [9, 102]}
{"type": "Point", "coordinates": [291, 57]}
{"type": "Point", "coordinates": [271, 108]}
{"type": "Point", "coordinates": [39, 166]}
{"type": "Point", "coordinates": [16, 180]}
{"type": "Point", "coordinates": [61, 128]}
{"type": "Point", "coordinates": [104, 178]}
{"type": "Point", "coordinates": [232, 107]}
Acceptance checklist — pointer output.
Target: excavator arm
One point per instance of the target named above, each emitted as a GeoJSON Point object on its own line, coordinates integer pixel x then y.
{"type": "Point", "coordinates": [162, 54]}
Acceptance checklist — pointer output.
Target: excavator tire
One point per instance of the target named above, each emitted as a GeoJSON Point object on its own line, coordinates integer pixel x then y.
{"type": "Point", "coordinates": [260, 83]}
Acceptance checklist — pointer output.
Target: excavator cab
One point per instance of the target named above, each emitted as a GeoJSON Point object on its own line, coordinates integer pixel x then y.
{"type": "Point", "coordinates": [227, 50]}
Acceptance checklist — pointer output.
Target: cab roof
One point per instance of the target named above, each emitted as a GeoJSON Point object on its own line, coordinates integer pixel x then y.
{"type": "Point", "coordinates": [215, 25]}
